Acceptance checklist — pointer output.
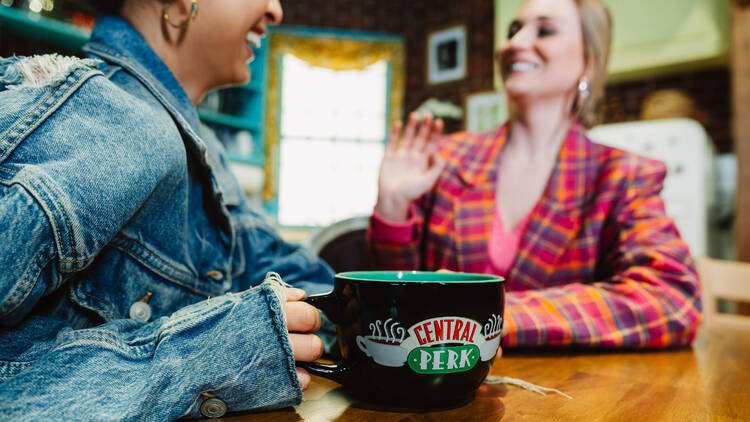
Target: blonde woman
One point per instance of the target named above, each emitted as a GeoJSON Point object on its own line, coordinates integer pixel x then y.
{"type": "Point", "coordinates": [578, 229]}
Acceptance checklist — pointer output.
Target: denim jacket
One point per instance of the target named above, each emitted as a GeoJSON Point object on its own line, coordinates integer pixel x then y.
{"type": "Point", "coordinates": [111, 195]}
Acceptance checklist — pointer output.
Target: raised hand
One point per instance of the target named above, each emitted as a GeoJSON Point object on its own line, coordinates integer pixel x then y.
{"type": "Point", "coordinates": [302, 320]}
{"type": "Point", "coordinates": [410, 167]}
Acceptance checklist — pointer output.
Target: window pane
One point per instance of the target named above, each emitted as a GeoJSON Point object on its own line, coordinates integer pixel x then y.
{"type": "Point", "coordinates": [323, 181]}
{"type": "Point", "coordinates": [332, 141]}
{"type": "Point", "coordinates": [324, 103]}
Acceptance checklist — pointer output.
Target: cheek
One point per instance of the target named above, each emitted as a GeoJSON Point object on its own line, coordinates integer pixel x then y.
{"type": "Point", "coordinates": [224, 47]}
{"type": "Point", "coordinates": [565, 63]}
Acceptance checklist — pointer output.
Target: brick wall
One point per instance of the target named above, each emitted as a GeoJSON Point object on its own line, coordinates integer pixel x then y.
{"type": "Point", "coordinates": [709, 88]}
{"type": "Point", "coordinates": [412, 19]}
{"type": "Point", "coordinates": [416, 18]}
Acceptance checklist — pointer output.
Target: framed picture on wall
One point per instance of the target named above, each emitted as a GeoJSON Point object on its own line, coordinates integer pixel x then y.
{"type": "Point", "coordinates": [446, 55]}
{"type": "Point", "coordinates": [485, 110]}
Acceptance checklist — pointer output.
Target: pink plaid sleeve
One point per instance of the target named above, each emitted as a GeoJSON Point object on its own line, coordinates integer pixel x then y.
{"type": "Point", "coordinates": [651, 299]}
{"type": "Point", "coordinates": [385, 231]}
{"type": "Point", "coordinates": [395, 245]}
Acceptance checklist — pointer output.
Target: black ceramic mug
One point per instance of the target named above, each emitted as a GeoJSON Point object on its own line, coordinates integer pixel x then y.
{"type": "Point", "coordinates": [413, 339]}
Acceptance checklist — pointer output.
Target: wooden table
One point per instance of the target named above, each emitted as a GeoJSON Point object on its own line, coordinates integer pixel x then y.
{"type": "Point", "coordinates": [710, 381]}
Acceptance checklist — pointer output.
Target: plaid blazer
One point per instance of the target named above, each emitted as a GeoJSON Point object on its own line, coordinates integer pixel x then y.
{"type": "Point", "coordinates": [599, 264]}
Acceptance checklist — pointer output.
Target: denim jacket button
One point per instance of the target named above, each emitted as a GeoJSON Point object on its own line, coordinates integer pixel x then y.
{"type": "Point", "coordinates": [213, 408]}
{"type": "Point", "coordinates": [140, 311]}
{"type": "Point", "coordinates": [216, 275]}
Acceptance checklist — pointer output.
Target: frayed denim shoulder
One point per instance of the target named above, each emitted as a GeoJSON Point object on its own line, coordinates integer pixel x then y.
{"type": "Point", "coordinates": [47, 70]}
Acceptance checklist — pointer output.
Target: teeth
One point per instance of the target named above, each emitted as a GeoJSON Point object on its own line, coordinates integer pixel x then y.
{"type": "Point", "coordinates": [253, 39]}
{"type": "Point", "coordinates": [522, 67]}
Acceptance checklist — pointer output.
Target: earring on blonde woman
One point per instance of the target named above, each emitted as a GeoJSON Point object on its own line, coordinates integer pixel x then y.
{"type": "Point", "coordinates": [583, 89]}
{"type": "Point", "coordinates": [186, 21]}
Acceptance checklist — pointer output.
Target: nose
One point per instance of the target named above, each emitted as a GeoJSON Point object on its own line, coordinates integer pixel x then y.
{"type": "Point", "coordinates": [274, 13]}
{"type": "Point", "coordinates": [521, 39]}
{"type": "Point", "coordinates": [506, 49]}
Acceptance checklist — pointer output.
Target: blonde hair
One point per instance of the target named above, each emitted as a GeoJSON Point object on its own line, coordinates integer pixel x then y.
{"type": "Point", "coordinates": [596, 27]}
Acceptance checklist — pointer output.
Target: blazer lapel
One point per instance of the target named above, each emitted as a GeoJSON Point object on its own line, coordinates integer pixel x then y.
{"type": "Point", "coordinates": [556, 219]}
{"type": "Point", "coordinates": [474, 207]}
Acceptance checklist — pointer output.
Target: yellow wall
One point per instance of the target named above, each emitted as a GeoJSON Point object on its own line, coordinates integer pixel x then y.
{"type": "Point", "coordinates": [653, 36]}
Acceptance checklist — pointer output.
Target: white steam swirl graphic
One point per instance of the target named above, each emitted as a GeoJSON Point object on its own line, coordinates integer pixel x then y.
{"type": "Point", "coordinates": [391, 332]}
{"type": "Point", "coordinates": [493, 326]}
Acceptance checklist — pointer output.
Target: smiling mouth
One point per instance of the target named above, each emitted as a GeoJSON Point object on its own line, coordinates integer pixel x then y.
{"type": "Point", "coordinates": [253, 39]}
{"type": "Point", "coordinates": [521, 67]}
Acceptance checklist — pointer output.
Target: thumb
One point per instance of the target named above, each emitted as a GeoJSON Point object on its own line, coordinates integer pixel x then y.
{"type": "Point", "coordinates": [428, 179]}
{"type": "Point", "coordinates": [438, 164]}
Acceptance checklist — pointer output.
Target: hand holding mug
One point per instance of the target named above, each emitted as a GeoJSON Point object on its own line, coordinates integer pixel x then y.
{"type": "Point", "coordinates": [302, 319]}
{"type": "Point", "coordinates": [410, 166]}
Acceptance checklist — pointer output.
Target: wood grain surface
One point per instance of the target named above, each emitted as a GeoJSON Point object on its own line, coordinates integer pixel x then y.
{"type": "Point", "coordinates": [708, 381]}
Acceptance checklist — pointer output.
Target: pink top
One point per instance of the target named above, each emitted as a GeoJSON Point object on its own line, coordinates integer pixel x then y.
{"type": "Point", "coordinates": [502, 247]}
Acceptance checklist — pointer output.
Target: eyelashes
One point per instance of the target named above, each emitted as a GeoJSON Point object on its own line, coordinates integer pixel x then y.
{"type": "Point", "coordinates": [545, 31]}
{"type": "Point", "coordinates": [513, 30]}
{"type": "Point", "coordinates": [542, 30]}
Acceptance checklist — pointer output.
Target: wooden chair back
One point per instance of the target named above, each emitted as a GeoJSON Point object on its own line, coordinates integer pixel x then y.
{"type": "Point", "coordinates": [723, 279]}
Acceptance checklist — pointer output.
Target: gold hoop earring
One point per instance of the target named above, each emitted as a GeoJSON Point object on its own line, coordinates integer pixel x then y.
{"type": "Point", "coordinates": [185, 22]}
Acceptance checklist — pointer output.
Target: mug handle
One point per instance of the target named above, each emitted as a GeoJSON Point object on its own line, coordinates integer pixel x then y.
{"type": "Point", "coordinates": [326, 302]}
{"type": "Point", "coordinates": [339, 371]}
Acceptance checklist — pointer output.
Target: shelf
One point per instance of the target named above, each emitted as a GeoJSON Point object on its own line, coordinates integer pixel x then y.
{"type": "Point", "coordinates": [227, 120]}
{"type": "Point", "coordinates": [253, 160]}
{"type": "Point", "coordinates": [34, 25]}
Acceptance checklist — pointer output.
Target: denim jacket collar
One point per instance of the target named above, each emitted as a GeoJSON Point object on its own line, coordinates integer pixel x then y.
{"type": "Point", "coordinates": [115, 39]}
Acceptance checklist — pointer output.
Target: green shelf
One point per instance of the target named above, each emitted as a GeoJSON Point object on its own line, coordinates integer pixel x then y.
{"type": "Point", "coordinates": [227, 120]}
{"type": "Point", "coordinates": [34, 25]}
{"type": "Point", "coordinates": [255, 159]}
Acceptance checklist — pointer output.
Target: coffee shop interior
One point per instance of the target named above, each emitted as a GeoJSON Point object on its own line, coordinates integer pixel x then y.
{"type": "Point", "coordinates": [306, 135]}
{"type": "Point", "coordinates": [309, 128]}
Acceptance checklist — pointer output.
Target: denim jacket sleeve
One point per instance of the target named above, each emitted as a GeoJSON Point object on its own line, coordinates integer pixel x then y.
{"type": "Point", "coordinates": [231, 347]}
{"type": "Point", "coordinates": [234, 347]}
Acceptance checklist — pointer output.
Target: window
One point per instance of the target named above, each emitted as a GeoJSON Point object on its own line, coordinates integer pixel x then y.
{"type": "Point", "coordinates": [332, 133]}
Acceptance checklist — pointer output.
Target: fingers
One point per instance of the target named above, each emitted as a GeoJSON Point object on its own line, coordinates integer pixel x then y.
{"type": "Point", "coordinates": [304, 378]}
{"type": "Point", "coordinates": [293, 294]}
{"type": "Point", "coordinates": [425, 130]}
{"type": "Point", "coordinates": [430, 175]}
{"type": "Point", "coordinates": [306, 347]}
{"type": "Point", "coordinates": [417, 135]}
{"type": "Point", "coordinates": [499, 353]}
{"type": "Point", "coordinates": [393, 137]}
{"type": "Point", "coordinates": [407, 140]}
{"type": "Point", "coordinates": [302, 317]}
{"type": "Point", "coordinates": [437, 131]}
{"type": "Point", "coordinates": [435, 160]}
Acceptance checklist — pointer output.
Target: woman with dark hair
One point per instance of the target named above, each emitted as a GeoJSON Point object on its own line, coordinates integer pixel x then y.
{"type": "Point", "coordinates": [578, 229]}
{"type": "Point", "coordinates": [135, 281]}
